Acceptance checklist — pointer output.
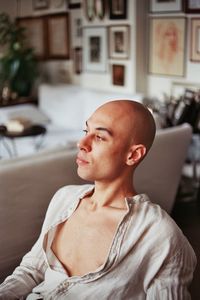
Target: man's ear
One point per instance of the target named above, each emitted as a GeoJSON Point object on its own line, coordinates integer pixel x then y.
{"type": "Point", "coordinates": [135, 154]}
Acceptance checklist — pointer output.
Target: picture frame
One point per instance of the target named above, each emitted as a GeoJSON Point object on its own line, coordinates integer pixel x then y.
{"type": "Point", "coordinates": [95, 49]}
{"type": "Point", "coordinates": [89, 9]}
{"type": "Point", "coordinates": [40, 4]}
{"type": "Point", "coordinates": [117, 9]}
{"type": "Point", "coordinates": [36, 33]}
{"type": "Point", "coordinates": [76, 28]}
{"type": "Point", "coordinates": [167, 46]}
{"type": "Point", "coordinates": [77, 60]}
{"type": "Point", "coordinates": [73, 4]}
{"type": "Point", "coordinates": [195, 40]}
{"type": "Point", "coordinates": [59, 43]}
{"type": "Point", "coordinates": [166, 6]}
{"type": "Point", "coordinates": [118, 74]}
{"type": "Point", "coordinates": [100, 8]}
{"type": "Point", "coordinates": [192, 6]}
{"type": "Point", "coordinates": [119, 41]}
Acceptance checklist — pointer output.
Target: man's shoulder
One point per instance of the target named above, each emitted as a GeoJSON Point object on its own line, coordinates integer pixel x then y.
{"type": "Point", "coordinates": [70, 193]}
{"type": "Point", "coordinates": [66, 198]}
{"type": "Point", "coordinates": [163, 230]}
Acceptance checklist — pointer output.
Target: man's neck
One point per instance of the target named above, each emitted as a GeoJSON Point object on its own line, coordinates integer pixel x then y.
{"type": "Point", "coordinates": [111, 195]}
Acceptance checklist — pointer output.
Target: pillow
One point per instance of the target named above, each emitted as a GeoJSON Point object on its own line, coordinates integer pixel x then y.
{"type": "Point", "coordinates": [63, 104]}
{"type": "Point", "coordinates": [26, 111]}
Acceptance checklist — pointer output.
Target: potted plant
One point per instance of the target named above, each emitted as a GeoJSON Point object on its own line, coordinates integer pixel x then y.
{"type": "Point", "coordinates": [18, 66]}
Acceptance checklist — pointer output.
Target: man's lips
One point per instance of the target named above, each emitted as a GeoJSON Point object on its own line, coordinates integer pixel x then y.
{"type": "Point", "coordinates": [81, 161]}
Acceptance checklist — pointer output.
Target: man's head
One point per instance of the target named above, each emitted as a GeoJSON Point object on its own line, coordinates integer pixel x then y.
{"type": "Point", "coordinates": [118, 136]}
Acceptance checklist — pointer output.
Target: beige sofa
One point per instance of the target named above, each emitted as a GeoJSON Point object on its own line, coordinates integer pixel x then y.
{"type": "Point", "coordinates": [27, 185]}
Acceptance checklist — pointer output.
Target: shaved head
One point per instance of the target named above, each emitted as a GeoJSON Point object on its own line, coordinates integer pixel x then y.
{"type": "Point", "coordinates": [133, 119]}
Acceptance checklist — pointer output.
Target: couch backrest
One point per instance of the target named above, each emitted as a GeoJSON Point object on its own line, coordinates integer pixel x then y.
{"type": "Point", "coordinates": [160, 172]}
{"type": "Point", "coordinates": [26, 188]}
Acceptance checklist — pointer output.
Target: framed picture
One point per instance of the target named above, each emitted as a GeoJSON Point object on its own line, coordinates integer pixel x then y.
{"type": "Point", "coordinates": [95, 49]}
{"type": "Point", "coordinates": [36, 34]}
{"type": "Point", "coordinates": [77, 60]}
{"type": "Point", "coordinates": [192, 6]}
{"type": "Point", "coordinates": [118, 74]}
{"type": "Point", "coordinates": [167, 46]}
{"type": "Point", "coordinates": [40, 4]}
{"type": "Point", "coordinates": [119, 37]}
{"type": "Point", "coordinates": [58, 36]}
{"type": "Point", "coordinates": [164, 6]}
{"type": "Point", "coordinates": [195, 40]}
{"type": "Point", "coordinates": [100, 8]}
{"type": "Point", "coordinates": [118, 9]}
{"type": "Point", "coordinates": [89, 9]}
{"type": "Point", "coordinates": [76, 29]}
{"type": "Point", "coordinates": [74, 4]}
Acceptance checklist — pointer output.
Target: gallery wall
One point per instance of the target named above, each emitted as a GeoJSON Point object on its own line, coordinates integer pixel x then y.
{"type": "Point", "coordinates": [137, 75]}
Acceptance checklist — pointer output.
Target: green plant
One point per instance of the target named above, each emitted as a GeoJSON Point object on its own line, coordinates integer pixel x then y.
{"type": "Point", "coordinates": [18, 65]}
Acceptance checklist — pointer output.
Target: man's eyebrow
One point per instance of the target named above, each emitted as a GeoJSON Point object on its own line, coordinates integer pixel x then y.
{"type": "Point", "coordinates": [102, 129]}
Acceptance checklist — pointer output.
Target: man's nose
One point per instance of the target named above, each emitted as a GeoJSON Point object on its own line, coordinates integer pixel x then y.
{"type": "Point", "coordinates": [85, 143]}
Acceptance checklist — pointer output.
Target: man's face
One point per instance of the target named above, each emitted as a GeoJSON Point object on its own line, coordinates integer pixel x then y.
{"type": "Point", "coordinates": [103, 149]}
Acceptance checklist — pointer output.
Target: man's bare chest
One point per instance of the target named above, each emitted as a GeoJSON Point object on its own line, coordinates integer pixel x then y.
{"type": "Point", "coordinates": [82, 243]}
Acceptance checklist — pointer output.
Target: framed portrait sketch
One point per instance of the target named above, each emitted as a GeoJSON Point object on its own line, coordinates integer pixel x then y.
{"type": "Point", "coordinates": [40, 4]}
{"type": "Point", "coordinates": [164, 6]}
{"type": "Point", "coordinates": [58, 36]}
{"type": "Point", "coordinates": [167, 46]}
{"type": "Point", "coordinates": [195, 40]}
{"type": "Point", "coordinates": [118, 74]}
{"type": "Point", "coordinates": [36, 33]}
{"type": "Point", "coordinates": [119, 37]}
{"type": "Point", "coordinates": [95, 49]}
{"type": "Point", "coordinates": [192, 6]}
{"type": "Point", "coordinates": [118, 9]}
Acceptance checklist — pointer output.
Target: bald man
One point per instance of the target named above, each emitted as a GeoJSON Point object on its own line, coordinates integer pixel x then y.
{"type": "Point", "coordinates": [105, 241]}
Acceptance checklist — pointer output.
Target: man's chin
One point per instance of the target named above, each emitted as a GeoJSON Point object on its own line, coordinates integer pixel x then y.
{"type": "Point", "coordinates": [85, 176]}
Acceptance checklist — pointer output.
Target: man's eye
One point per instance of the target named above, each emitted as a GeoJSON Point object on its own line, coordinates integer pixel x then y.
{"type": "Point", "coordinates": [85, 131]}
{"type": "Point", "coordinates": [99, 138]}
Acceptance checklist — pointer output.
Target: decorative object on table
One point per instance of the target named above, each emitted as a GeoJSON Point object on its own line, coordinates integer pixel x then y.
{"type": "Point", "coordinates": [187, 110]}
{"type": "Point", "coordinates": [18, 125]}
{"type": "Point", "coordinates": [192, 6]}
{"type": "Point", "coordinates": [40, 4]}
{"type": "Point", "coordinates": [167, 46]}
{"type": "Point", "coordinates": [18, 66]}
{"type": "Point", "coordinates": [95, 49]}
{"type": "Point", "coordinates": [77, 59]}
{"type": "Point", "coordinates": [59, 43]}
{"type": "Point", "coordinates": [36, 35]}
{"type": "Point", "coordinates": [118, 74]}
{"type": "Point", "coordinates": [166, 6]}
{"type": "Point", "coordinates": [118, 9]}
{"type": "Point", "coordinates": [89, 9]}
{"type": "Point", "coordinates": [100, 8]}
{"type": "Point", "coordinates": [195, 40]}
{"type": "Point", "coordinates": [74, 3]}
{"type": "Point", "coordinates": [119, 38]}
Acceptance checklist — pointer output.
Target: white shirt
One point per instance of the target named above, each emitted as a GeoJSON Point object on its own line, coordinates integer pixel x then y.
{"type": "Point", "coordinates": [149, 258]}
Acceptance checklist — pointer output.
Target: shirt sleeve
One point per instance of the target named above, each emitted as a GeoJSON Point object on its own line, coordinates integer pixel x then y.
{"type": "Point", "coordinates": [174, 278]}
{"type": "Point", "coordinates": [32, 268]}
